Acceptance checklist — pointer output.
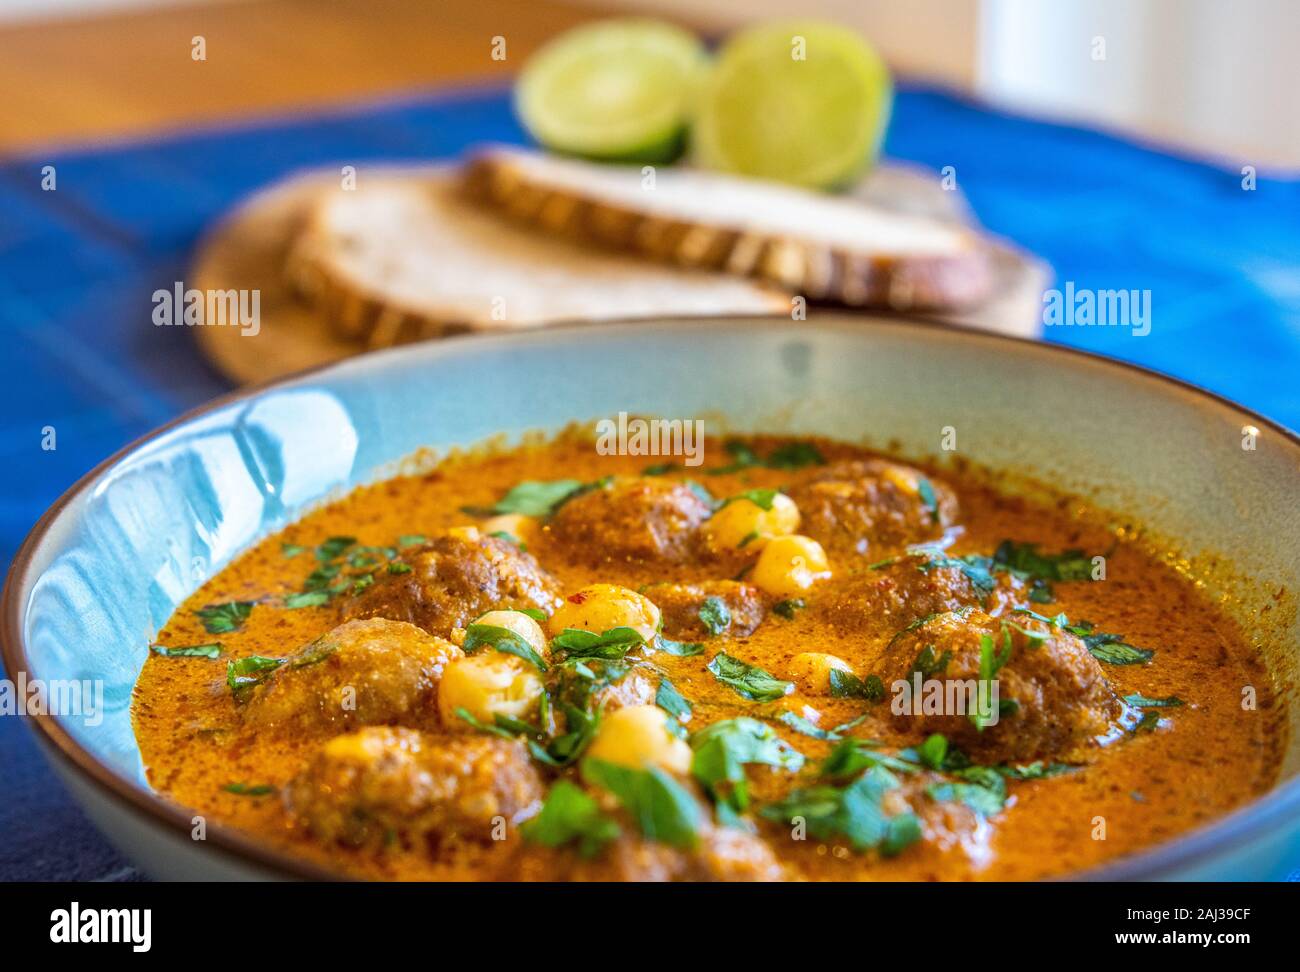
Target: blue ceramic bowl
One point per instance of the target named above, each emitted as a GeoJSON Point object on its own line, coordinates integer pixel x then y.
{"type": "Point", "coordinates": [104, 568]}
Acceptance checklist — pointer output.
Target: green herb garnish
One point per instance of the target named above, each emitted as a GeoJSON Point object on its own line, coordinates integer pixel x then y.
{"type": "Point", "coordinates": [306, 599]}
{"type": "Point", "coordinates": [571, 816]}
{"type": "Point", "coordinates": [926, 492]}
{"type": "Point", "coordinates": [722, 750]}
{"type": "Point", "coordinates": [853, 812]}
{"type": "Point", "coordinates": [536, 498]}
{"type": "Point", "coordinates": [747, 680]}
{"type": "Point", "coordinates": [682, 649]}
{"type": "Point", "coordinates": [846, 685]}
{"type": "Point", "coordinates": [981, 788]}
{"type": "Point", "coordinates": [333, 548]}
{"type": "Point", "coordinates": [789, 607]}
{"type": "Point", "coordinates": [188, 651]}
{"type": "Point", "coordinates": [928, 665]}
{"type": "Point", "coordinates": [663, 809]}
{"type": "Point", "coordinates": [503, 640]}
{"type": "Point", "coordinates": [672, 701]}
{"type": "Point", "coordinates": [614, 643]}
{"type": "Point", "coordinates": [1146, 702]}
{"type": "Point", "coordinates": [799, 724]}
{"type": "Point", "coordinates": [244, 673]}
{"type": "Point", "coordinates": [225, 618]}
{"type": "Point", "coordinates": [249, 789]}
{"type": "Point", "coordinates": [715, 615]}
{"type": "Point", "coordinates": [851, 756]}
{"type": "Point", "coordinates": [762, 498]}
{"type": "Point", "coordinates": [791, 455]}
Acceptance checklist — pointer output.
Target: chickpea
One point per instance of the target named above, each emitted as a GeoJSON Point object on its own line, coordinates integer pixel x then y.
{"type": "Point", "coordinates": [638, 736]}
{"type": "Point", "coordinates": [790, 565]}
{"type": "Point", "coordinates": [357, 747]}
{"type": "Point", "coordinates": [903, 478]}
{"type": "Point", "coordinates": [600, 607]}
{"type": "Point", "coordinates": [742, 522]}
{"type": "Point", "coordinates": [812, 670]}
{"type": "Point", "coordinates": [518, 622]}
{"type": "Point", "coordinates": [486, 685]}
{"type": "Point", "coordinates": [521, 527]}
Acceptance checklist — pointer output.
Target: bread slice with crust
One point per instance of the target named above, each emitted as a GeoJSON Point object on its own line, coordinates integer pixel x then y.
{"type": "Point", "coordinates": [406, 256]}
{"type": "Point", "coordinates": [820, 246]}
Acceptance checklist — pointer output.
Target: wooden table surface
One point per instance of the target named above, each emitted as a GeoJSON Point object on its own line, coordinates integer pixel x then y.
{"type": "Point", "coordinates": [113, 76]}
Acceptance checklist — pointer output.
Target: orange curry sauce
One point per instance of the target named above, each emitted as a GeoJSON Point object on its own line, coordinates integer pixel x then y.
{"type": "Point", "coordinates": [1201, 759]}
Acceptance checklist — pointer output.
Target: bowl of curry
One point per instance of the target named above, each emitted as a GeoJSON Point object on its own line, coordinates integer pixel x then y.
{"type": "Point", "coordinates": [671, 601]}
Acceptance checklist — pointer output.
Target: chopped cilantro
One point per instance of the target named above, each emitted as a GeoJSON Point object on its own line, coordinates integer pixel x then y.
{"type": "Point", "coordinates": [333, 548]}
{"type": "Point", "coordinates": [789, 607]}
{"type": "Point", "coordinates": [762, 498]}
{"type": "Point", "coordinates": [672, 701]}
{"type": "Point", "coordinates": [846, 685]}
{"type": "Point", "coordinates": [791, 455]}
{"type": "Point", "coordinates": [570, 816]}
{"type": "Point", "coordinates": [853, 812]}
{"type": "Point", "coordinates": [503, 640]}
{"type": "Point", "coordinates": [682, 649]}
{"type": "Point", "coordinates": [724, 748]}
{"type": "Point", "coordinates": [249, 789]}
{"type": "Point", "coordinates": [244, 673]}
{"type": "Point", "coordinates": [225, 618]}
{"type": "Point", "coordinates": [715, 615]}
{"type": "Point", "coordinates": [747, 680]}
{"type": "Point", "coordinates": [1146, 702]}
{"type": "Point", "coordinates": [188, 651]}
{"type": "Point", "coordinates": [614, 643]}
{"type": "Point", "coordinates": [306, 599]}
{"type": "Point", "coordinates": [536, 498]}
{"type": "Point", "coordinates": [926, 492]}
{"type": "Point", "coordinates": [663, 809]}
{"type": "Point", "coordinates": [981, 788]}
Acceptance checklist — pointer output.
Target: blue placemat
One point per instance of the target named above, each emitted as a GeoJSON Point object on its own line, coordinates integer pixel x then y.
{"type": "Point", "coordinates": [79, 263]}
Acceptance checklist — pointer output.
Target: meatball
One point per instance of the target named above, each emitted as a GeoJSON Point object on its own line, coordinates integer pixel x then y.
{"type": "Point", "coordinates": [638, 519]}
{"type": "Point", "coordinates": [886, 599]}
{"type": "Point", "coordinates": [1052, 694]}
{"type": "Point", "coordinates": [362, 673]}
{"type": "Point", "coordinates": [722, 854]}
{"type": "Point", "coordinates": [862, 505]}
{"type": "Point", "coordinates": [954, 837]}
{"type": "Point", "coordinates": [385, 784]}
{"type": "Point", "coordinates": [453, 580]}
{"type": "Point", "coordinates": [741, 609]}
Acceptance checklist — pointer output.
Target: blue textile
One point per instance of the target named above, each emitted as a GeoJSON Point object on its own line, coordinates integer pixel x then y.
{"type": "Point", "coordinates": [78, 266]}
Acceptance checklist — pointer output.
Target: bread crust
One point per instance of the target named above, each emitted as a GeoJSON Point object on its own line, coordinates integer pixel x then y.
{"type": "Point", "coordinates": [818, 269]}
{"type": "Point", "coordinates": [339, 259]}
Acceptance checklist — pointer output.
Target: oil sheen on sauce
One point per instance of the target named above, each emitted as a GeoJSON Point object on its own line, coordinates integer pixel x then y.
{"type": "Point", "coordinates": [1205, 758]}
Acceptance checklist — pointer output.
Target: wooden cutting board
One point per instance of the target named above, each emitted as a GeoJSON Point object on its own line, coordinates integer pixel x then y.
{"type": "Point", "coordinates": [246, 250]}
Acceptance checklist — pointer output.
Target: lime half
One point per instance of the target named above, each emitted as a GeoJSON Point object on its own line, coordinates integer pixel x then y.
{"type": "Point", "coordinates": [616, 90]}
{"type": "Point", "coordinates": [805, 103]}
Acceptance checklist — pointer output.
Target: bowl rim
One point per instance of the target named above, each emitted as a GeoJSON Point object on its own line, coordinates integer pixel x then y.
{"type": "Point", "coordinates": [1218, 836]}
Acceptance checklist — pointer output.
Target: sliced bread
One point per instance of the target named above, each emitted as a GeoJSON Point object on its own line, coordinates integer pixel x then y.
{"type": "Point", "coordinates": [820, 246]}
{"type": "Point", "coordinates": [406, 256]}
